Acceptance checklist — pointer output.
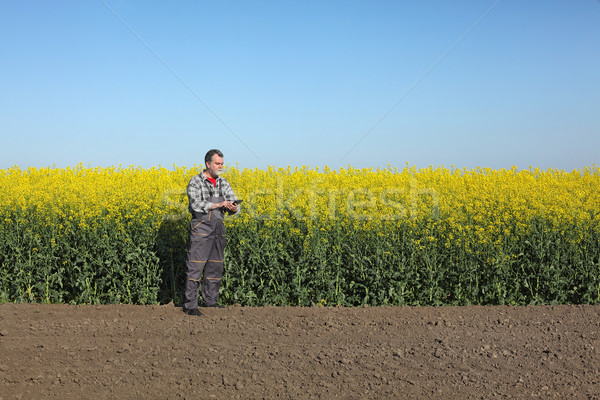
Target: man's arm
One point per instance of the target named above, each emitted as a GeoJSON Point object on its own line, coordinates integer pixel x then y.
{"type": "Point", "coordinates": [230, 198]}
{"type": "Point", "coordinates": [196, 197]}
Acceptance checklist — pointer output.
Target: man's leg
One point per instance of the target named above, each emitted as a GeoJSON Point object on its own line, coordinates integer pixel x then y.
{"type": "Point", "coordinates": [198, 252]}
{"type": "Point", "coordinates": [213, 270]}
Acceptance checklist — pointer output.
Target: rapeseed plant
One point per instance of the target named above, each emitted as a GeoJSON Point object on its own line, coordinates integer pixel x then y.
{"type": "Point", "coordinates": [307, 236]}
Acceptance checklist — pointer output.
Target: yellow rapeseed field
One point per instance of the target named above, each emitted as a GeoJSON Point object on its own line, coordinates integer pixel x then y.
{"type": "Point", "coordinates": [307, 235]}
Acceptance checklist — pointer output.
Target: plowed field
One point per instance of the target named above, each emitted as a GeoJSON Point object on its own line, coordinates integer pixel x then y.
{"type": "Point", "coordinates": [157, 352]}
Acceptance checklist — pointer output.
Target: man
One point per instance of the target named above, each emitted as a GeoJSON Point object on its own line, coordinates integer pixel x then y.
{"type": "Point", "coordinates": [210, 197]}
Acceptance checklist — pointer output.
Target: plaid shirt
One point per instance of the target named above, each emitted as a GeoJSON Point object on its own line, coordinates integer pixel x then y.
{"type": "Point", "coordinates": [200, 189]}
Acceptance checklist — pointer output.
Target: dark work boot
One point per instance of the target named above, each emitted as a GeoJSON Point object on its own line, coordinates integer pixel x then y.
{"type": "Point", "coordinates": [192, 311]}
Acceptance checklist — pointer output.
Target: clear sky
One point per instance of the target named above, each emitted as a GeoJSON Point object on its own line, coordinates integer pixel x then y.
{"type": "Point", "coordinates": [274, 83]}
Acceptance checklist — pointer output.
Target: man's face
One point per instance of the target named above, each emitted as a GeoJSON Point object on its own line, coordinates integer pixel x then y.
{"type": "Point", "coordinates": [215, 166]}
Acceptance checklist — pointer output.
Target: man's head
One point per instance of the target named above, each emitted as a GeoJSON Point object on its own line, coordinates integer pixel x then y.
{"type": "Point", "coordinates": [213, 160]}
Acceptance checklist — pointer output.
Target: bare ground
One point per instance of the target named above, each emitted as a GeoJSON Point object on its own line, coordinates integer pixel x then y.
{"type": "Point", "coordinates": [157, 352]}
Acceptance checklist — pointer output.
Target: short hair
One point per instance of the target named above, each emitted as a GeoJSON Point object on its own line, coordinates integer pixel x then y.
{"type": "Point", "coordinates": [209, 156]}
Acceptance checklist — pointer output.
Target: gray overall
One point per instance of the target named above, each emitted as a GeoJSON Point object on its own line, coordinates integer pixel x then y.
{"type": "Point", "coordinates": [205, 253]}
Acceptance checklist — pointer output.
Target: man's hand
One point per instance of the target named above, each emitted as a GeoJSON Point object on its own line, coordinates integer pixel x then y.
{"type": "Point", "coordinates": [228, 205]}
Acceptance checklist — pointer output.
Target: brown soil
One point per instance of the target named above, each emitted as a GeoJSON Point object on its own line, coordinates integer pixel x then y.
{"type": "Point", "coordinates": [157, 352]}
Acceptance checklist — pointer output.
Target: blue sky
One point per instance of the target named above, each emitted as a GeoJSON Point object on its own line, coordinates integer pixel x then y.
{"type": "Point", "coordinates": [276, 83]}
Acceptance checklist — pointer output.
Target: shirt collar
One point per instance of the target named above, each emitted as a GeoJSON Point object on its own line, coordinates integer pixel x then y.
{"type": "Point", "coordinates": [204, 178]}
